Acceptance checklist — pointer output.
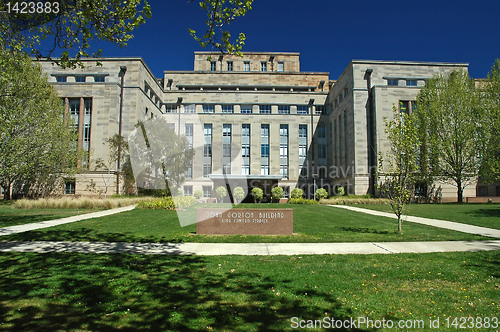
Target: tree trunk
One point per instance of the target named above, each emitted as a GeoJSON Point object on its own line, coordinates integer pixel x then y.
{"type": "Point", "coordinates": [6, 192]}
{"type": "Point", "coordinates": [399, 224]}
{"type": "Point", "coordinates": [460, 192]}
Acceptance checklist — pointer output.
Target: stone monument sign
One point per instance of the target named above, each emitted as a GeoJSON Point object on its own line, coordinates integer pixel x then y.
{"type": "Point", "coordinates": [244, 221]}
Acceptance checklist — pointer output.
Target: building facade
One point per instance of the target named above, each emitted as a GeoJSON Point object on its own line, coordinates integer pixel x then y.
{"type": "Point", "coordinates": [256, 119]}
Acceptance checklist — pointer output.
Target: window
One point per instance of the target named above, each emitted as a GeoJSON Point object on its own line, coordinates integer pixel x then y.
{"type": "Point", "coordinates": [265, 109]}
{"type": "Point", "coordinates": [320, 109]}
{"type": "Point", "coordinates": [284, 109]}
{"type": "Point", "coordinates": [411, 82]}
{"type": "Point", "coordinates": [188, 132]}
{"type": "Point", "coordinates": [172, 108]}
{"type": "Point", "coordinates": [208, 108]}
{"type": "Point", "coordinates": [246, 109]}
{"type": "Point", "coordinates": [226, 148]}
{"type": "Point", "coordinates": [69, 186]}
{"type": "Point", "coordinates": [61, 79]}
{"type": "Point", "coordinates": [322, 144]}
{"type": "Point", "coordinates": [264, 149]}
{"type": "Point", "coordinates": [281, 66]}
{"type": "Point", "coordinates": [263, 66]}
{"type": "Point", "coordinates": [346, 92]}
{"type": "Point", "coordinates": [245, 149]}
{"type": "Point", "coordinates": [228, 109]}
{"type": "Point", "coordinates": [392, 81]}
{"type": "Point", "coordinates": [207, 149]}
{"type": "Point", "coordinates": [302, 147]}
{"type": "Point", "coordinates": [213, 65]}
{"type": "Point", "coordinates": [302, 109]}
{"type": "Point", "coordinates": [284, 151]}
{"type": "Point", "coordinates": [246, 66]}
{"type": "Point", "coordinates": [99, 79]}
{"type": "Point", "coordinates": [229, 66]}
{"type": "Point", "coordinates": [190, 108]}
{"type": "Point", "coordinates": [188, 190]}
{"type": "Point", "coordinates": [80, 79]}
{"type": "Point", "coordinates": [207, 191]}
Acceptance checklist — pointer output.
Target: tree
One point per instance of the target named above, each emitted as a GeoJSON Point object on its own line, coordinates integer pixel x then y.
{"type": "Point", "coordinates": [71, 25]}
{"type": "Point", "coordinates": [296, 193]}
{"type": "Point", "coordinates": [198, 194]}
{"type": "Point", "coordinates": [37, 145]}
{"type": "Point", "coordinates": [490, 163]}
{"type": "Point", "coordinates": [219, 15]}
{"type": "Point", "coordinates": [238, 194]}
{"type": "Point", "coordinates": [221, 192]}
{"type": "Point", "coordinates": [277, 193]}
{"type": "Point", "coordinates": [399, 165]}
{"type": "Point", "coordinates": [107, 165]}
{"type": "Point", "coordinates": [321, 193]}
{"type": "Point", "coordinates": [159, 157]}
{"type": "Point", "coordinates": [452, 128]}
{"type": "Point", "coordinates": [257, 194]}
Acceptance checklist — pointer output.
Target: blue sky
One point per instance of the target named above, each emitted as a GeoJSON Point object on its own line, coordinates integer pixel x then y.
{"type": "Point", "coordinates": [330, 33]}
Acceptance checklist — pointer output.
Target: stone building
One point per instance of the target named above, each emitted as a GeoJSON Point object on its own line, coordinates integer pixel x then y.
{"type": "Point", "coordinates": [255, 119]}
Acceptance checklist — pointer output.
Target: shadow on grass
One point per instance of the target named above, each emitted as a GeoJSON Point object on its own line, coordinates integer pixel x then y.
{"type": "Point", "coordinates": [86, 235]}
{"type": "Point", "coordinates": [365, 230]}
{"type": "Point", "coordinates": [41, 292]}
{"type": "Point", "coordinates": [493, 212]}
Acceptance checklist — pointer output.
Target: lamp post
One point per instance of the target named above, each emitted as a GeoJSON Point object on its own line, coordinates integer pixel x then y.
{"type": "Point", "coordinates": [123, 70]}
{"type": "Point", "coordinates": [314, 184]}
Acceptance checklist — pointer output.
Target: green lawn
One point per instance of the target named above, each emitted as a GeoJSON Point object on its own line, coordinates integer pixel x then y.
{"type": "Point", "coordinates": [485, 215]}
{"type": "Point", "coordinates": [311, 224]}
{"type": "Point", "coordinates": [11, 217]}
{"type": "Point", "coordinates": [89, 292]}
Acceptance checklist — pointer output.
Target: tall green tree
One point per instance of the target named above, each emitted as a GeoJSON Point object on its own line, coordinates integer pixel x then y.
{"type": "Point", "coordinates": [398, 165]}
{"type": "Point", "coordinates": [451, 124]}
{"type": "Point", "coordinates": [490, 88]}
{"type": "Point", "coordinates": [159, 156]}
{"type": "Point", "coordinates": [37, 145]}
{"type": "Point", "coordinates": [220, 13]}
{"type": "Point", "coordinates": [71, 26]}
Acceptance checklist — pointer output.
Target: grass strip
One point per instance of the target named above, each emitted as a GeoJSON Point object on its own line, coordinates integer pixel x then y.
{"type": "Point", "coordinates": [311, 224]}
{"type": "Point", "coordinates": [478, 214]}
{"type": "Point", "coordinates": [89, 292]}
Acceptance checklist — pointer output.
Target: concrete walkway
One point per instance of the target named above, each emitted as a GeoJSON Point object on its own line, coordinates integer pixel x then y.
{"type": "Point", "coordinates": [215, 249]}
{"type": "Point", "coordinates": [455, 226]}
{"type": "Point", "coordinates": [55, 222]}
{"type": "Point", "coordinates": [212, 249]}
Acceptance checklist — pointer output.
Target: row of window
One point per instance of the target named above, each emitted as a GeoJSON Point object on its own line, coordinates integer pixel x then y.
{"type": "Point", "coordinates": [340, 97]}
{"type": "Point", "coordinates": [244, 109]}
{"type": "Point", "coordinates": [246, 66]}
{"type": "Point", "coordinates": [395, 82]}
{"type": "Point", "coordinates": [81, 78]}
{"type": "Point", "coordinates": [246, 144]}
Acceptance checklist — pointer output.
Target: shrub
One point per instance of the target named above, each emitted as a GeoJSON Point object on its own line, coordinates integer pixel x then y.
{"type": "Point", "coordinates": [277, 193]}
{"type": "Point", "coordinates": [77, 203]}
{"type": "Point", "coordinates": [198, 193]}
{"type": "Point", "coordinates": [344, 200]}
{"type": "Point", "coordinates": [296, 193]}
{"type": "Point", "coordinates": [340, 191]}
{"type": "Point", "coordinates": [163, 203]}
{"type": "Point", "coordinates": [321, 193]}
{"type": "Point", "coordinates": [221, 193]}
{"type": "Point", "coordinates": [167, 203]}
{"type": "Point", "coordinates": [257, 194]}
{"type": "Point", "coordinates": [238, 193]}
{"type": "Point", "coordinates": [302, 201]}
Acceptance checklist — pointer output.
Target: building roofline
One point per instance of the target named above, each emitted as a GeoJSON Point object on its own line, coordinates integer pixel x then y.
{"type": "Point", "coordinates": [251, 53]}
{"type": "Point", "coordinates": [411, 63]}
